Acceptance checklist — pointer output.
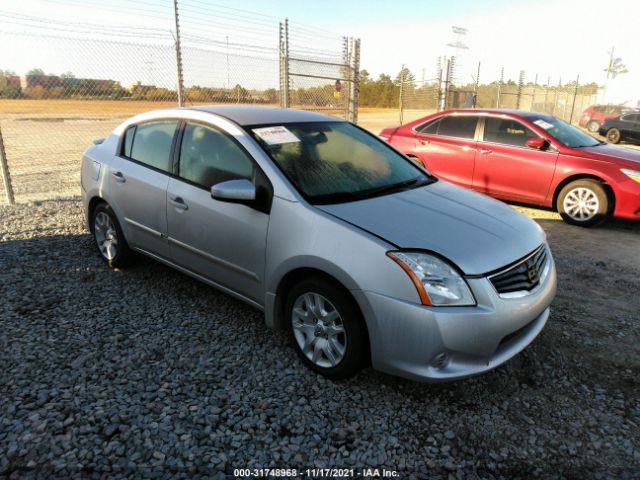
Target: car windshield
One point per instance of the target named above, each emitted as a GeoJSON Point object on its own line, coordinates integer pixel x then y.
{"type": "Point", "coordinates": [566, 134]}
{"type": "Point", "coordinates": [335, 162]}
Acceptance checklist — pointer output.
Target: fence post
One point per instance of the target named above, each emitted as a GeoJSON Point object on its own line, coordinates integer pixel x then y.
{"type": "Point", "coordinates": [475, 87]}
{"type": "Point", "coordinates": [401, 99]}
{"type": "Point", "coordinates": [520, 85]}
{"type": "Point", "coordinates": [178, 55]}
{"type": "Point", "coordinates": [354, 85]}
{"type": "Point", "coordinates": [284, 64]}
{"type": "Point", "coordinates": [439, 83]}
{"type": "Point", "coordinates": [575, 94]}
{"type": "Point", "coordinates": [448, 80]}
{"type": "Point", "coordinates": [500, 87]}
{"type": "Point", "coordinates": [546, 92]}
{"type": "Point", "coordinates": [6, 177]}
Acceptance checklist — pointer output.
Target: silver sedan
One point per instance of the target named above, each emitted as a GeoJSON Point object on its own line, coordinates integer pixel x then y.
{"type": "Point", "coordinates": [363, 256]}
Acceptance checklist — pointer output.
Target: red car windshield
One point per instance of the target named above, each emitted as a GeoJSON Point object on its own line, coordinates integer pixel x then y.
{"type": "Point", "coordinates": [566, 134]}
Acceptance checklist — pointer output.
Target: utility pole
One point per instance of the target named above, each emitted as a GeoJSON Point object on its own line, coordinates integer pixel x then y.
{"type": "Point", "coordinates": [610, 67]}
{"type": "Point", "coordinates": [178, 54]}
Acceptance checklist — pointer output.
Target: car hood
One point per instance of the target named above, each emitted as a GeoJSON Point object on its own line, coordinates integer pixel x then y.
{"type": "Point", "coordinates": [477, 233]}
{"type": "Point", "coordinates": [625, 157]}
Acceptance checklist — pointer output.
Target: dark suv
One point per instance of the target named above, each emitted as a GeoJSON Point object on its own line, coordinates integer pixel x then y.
{"type": "Point", "coordinates": [595, 115]}
{"type": "Point", "coordinates": [623, 128]}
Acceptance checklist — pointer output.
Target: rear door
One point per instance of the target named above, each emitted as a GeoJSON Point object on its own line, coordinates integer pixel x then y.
{"type": "Point", "coordinates": [447, 147]}
{"type": "Point", "coordinates": [224, 242]}
{"type": "Point", "coordinates": [507, 168]}
{"type": "Point", "coordinates": [138, 180]}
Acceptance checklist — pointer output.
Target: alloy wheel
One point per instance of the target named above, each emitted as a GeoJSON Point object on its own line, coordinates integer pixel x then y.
{"type": "Point", "coordinates": [581, 204]}
{"type": "Point", "coordinates": [613, 135]}
{"type": "Point", "coordinates": [106, 235]}
{"type": "Point", "coordinates": [318, 330]}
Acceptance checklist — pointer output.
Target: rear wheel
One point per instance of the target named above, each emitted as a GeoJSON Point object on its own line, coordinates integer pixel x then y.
{"type": "Point", "coordinates": [584, 203]}
{"type": "Point", "coordinates": [593, 126]}
{"type": "Point", "coordinates": [326, 328]}
{"type": "Point", "coordinates": [109, 238]}
{"type": "Point", "coordinates": [613, 135]}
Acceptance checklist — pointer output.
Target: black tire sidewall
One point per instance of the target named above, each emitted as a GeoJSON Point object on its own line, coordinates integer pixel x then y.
{"type": "Point", "coordinates": [357, 341]}
{"type": "Point", "coordinates": [605, 202]}
{"type": "Point", "coordinates": [123, 254]}
{"type": "Point", "coordinates": [619, 135]}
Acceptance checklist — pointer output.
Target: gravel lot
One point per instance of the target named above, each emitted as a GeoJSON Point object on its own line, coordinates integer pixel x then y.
{"type": "Point", "coordinates": [146, 372]}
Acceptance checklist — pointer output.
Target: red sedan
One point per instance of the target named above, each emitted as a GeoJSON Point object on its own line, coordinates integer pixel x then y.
{"type": "Point", "coordinates": [526, 157]}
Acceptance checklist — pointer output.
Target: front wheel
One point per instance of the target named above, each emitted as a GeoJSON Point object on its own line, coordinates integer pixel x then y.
{"type": "Point", "coordinates": [584, 203]}
{"type": "Point", "coordinates": [593, 126]}
{"type": "Point", "coordinates": [613, 135]}
{"type": "Point", "coordinates": [326, 328]}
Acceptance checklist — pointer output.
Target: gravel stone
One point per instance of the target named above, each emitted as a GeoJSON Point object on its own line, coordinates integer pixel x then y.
{"type": "Point", "coordinates": [147, 373]}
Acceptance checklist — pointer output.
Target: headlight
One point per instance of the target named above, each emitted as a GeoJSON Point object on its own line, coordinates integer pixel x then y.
{"type": "Point", "coordinates": [437, 282]}
{"type": "Point", "coordinates": [632, 174]}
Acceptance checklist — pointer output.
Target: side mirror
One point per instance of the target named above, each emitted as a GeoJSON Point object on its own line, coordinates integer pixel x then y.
{"type": "Point", "coordinates": [538, 143]}
{"type": "Point", "coordinates": [235, 191]}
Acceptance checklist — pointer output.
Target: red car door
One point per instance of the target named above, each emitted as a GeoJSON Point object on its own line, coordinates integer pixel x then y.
{"type": "Point", "coordinates": [507, 168]}
{"type": "Point", "coordinates": [447, 147]}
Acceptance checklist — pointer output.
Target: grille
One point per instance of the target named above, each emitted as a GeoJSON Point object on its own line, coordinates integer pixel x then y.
{"type": "Point", "coordinates": [524, 275]}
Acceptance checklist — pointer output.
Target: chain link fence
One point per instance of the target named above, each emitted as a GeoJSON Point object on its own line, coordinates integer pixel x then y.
{"type": "Point", "coordinates": [68, 82]}
{"type": "Point", "coordinates": [445, 91]}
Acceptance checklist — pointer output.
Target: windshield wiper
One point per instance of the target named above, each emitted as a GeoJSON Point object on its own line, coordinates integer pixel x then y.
{"type": "Point", "coordinates": [396, 187]}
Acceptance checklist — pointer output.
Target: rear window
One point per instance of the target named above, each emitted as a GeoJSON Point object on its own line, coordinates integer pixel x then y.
{"type": "Point", "coordinates": [459, 127]}
{"type": "Point", "coordinates": [151, 144]}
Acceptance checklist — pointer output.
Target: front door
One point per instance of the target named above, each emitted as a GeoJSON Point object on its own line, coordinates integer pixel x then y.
{"type": "Point", "coordinates": [224, 242]}
{"type": "Point", "coordinates": [507, 168]}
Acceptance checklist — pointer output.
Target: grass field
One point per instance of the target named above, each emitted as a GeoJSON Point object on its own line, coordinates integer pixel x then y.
{"type": "Point", "coordinates": [44, 139]}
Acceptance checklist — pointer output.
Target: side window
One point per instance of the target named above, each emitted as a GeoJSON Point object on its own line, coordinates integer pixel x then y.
{"type": "Point", "coordinates": [208, 157]}
{"type": "Point", "coordinates": [151, 143]}
{"type": "Point", "coordinates": [430, 128]}
{"type": "Point", "coordinates": [507, 132]}
{"type": "Point", "coordinates": [598, 109]}
{"type": "Point", "coordinates": [460, 127]}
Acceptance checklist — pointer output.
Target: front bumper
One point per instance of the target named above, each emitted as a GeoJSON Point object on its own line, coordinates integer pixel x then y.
{"type": "Point", "coordinates": [450, 343]}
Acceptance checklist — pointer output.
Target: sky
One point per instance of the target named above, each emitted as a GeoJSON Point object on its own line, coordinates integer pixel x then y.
{"type": "Point", "coordinates": [555, 40]}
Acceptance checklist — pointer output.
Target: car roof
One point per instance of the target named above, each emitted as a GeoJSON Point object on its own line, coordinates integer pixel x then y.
{"type": "Point", "coordinates": [507, 111]}
{"type": "Point", "coordinates": [250, 115]}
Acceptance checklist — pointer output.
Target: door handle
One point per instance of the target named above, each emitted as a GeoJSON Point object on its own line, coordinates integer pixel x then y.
{"type": "Point", "coordinates": [424, 142]}
{"type": "Point", "coordinates": [119, 177]}
{"type": "Point", "coordinates": [485, 151]}
{"type": "Point", "coordinates": [178, 202]}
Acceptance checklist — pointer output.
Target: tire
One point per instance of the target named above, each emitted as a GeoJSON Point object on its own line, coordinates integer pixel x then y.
{"type": "Point", "coordinates": [584, 202]}
{"type": "Point", "coordinates": [593, 126]}
{"type": "Point", "coordinates": [613, 135]}
{"type": "Point", "coordinates": [325, 318]}
{"type": "Point", "coordinates": [108, 237]}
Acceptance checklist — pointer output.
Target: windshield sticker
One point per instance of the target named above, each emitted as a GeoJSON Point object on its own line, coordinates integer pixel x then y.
{"type": "Point", "coordinates": [276, 135]}
{"type": "Point", "coordinates": [542, 124]}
